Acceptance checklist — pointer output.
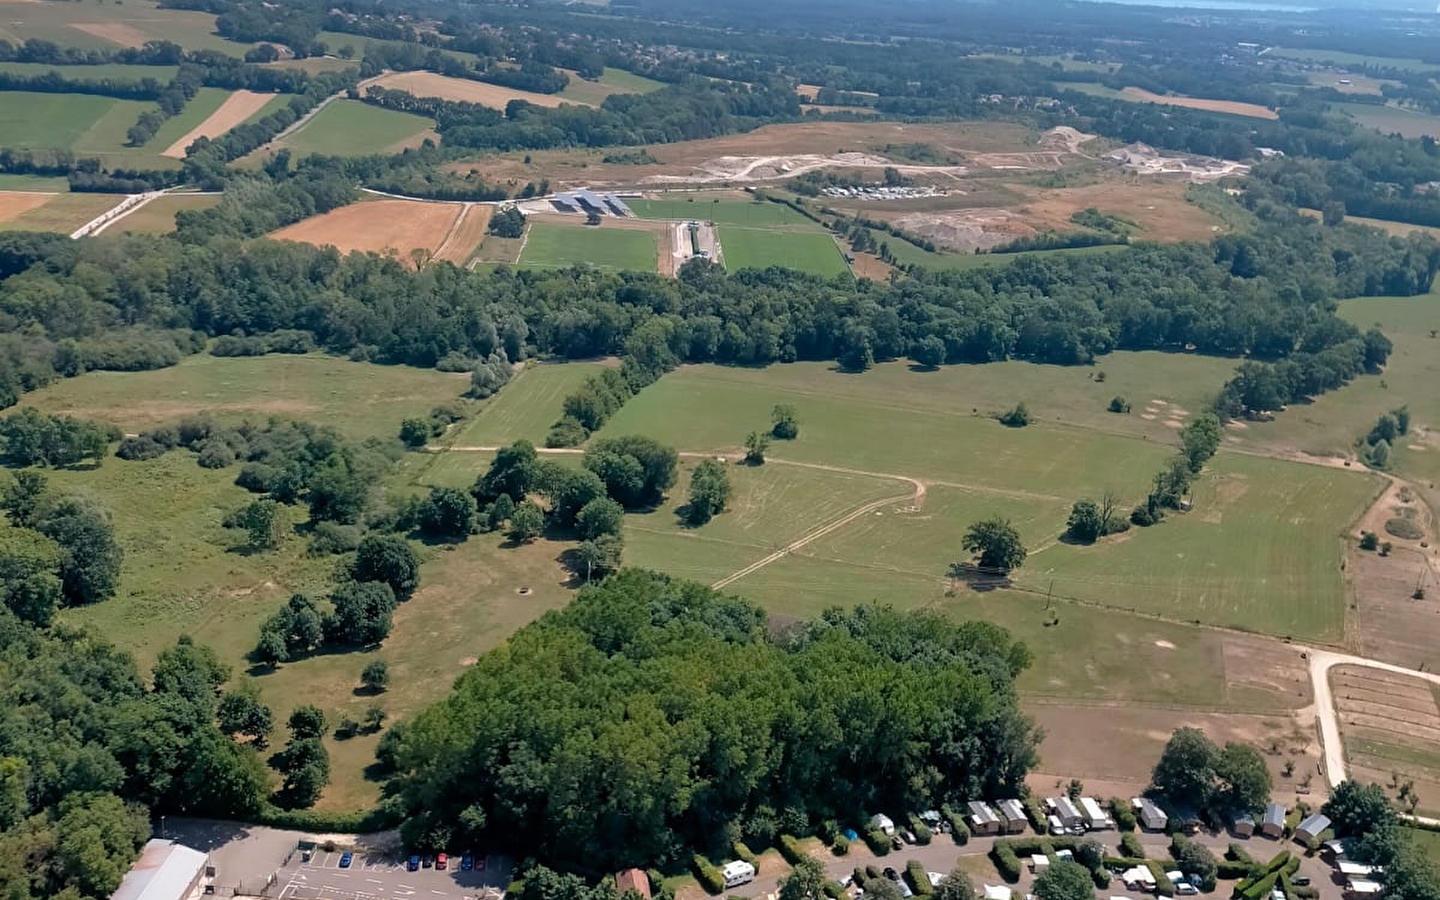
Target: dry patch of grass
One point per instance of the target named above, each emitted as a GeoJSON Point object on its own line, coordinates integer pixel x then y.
{"type": "Point", "coordinates": [1159, 208]}
{"type": "Point", "coordinates": [238, 107]}
{"type": "Point", "coordinates": [1233, 107]}
{"type": "Point", "coordinates": [114, 32]}
{"type": "Point", "coordinates": [14, 204]}
{"type": "Point", "coordinates": [158, 216]}
{"type": "Point", "coordinates": [428, 84]}
{"type": "Point", "coordinates": [62, 212]}
{"type": "Point", "coordinates": [378, 226]}
{"type": "Point", "coordinates": [465, 234]}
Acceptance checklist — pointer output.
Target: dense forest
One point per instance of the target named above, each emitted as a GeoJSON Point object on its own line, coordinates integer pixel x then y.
{"type": "Point", "coordinates": [654, 716]}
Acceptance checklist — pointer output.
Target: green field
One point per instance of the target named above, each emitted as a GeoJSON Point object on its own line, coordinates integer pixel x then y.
{"type": "Point", "coordinates": [118, 71]}
{"type": "Point", "coordinates": [337, 39]}
{"type": "Point", "coordinates": [611, 81]}
{"type": "Point", "coordinates": [32, 120]}
{"type": "Point", "coordinates": [41, 183]}
{"type": "Point", "coordinates": [525, 408]}
{"type": "Point", "coordinates": [113, 25]}
{"type": "Point", "coordinates": [908, 254]}
{"type": "Point", "coordinates": [560, 246]}
{"type": "Point", "coordinates": [758, 248]}
{"type": "Point", "coordinates": [158, 216]}
{"type": "Point", "coordinates": [359, 399]}
{"type": "Point", "coordinates": [1392, 119]}
{"type": "Point", "coordinates": [1341, 58]}
{"type": "Point", "coordinates": [728, 210]}
{"type": "Point", "coordinates": [352, 128]}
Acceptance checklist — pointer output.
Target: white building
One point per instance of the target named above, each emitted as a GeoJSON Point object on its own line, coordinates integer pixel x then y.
{"type": "Point", "coordinates": [165, 871]}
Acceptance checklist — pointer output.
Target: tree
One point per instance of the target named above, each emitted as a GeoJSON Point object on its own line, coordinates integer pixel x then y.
{"type": "Point", "coordinates": [882, 889]}
{"type": "Point", "coordinates": [1018, 417]}
{"type": "Point", "coordinates": [1084, 524]}
{"type": "Point", "coordinates": [1119, 404]}
{"type": "Point", "coordinates": [363, 613]}
{"type": "Point", "coordinates": [996, 543]}
{"type": "Point", "coordinates": [600, 555]}
{"type": "Point", "coordinates": [90, 557]}
{"type": "Point", "coordinates": [1064, 880]}
{"type": "Point", "coordinates": [568, 490]}
{"type": "Point", "coordinates": [306, 767]}
{"type": "Point", "coordinates": [1333, 213]}
{"type": "Point", "coordinates": [374, 718]}
{"type": "Point", "coordinates": [1194, 858]}
{"type": "Point", "coordinates": [30, 584]}
{"type": "Point", "coordinates": [1376, 348]}
{"type": "Point", "coordinates": [1355, 808]}
{"type": "Point", "coordinates": [446, 513]}
{"type": "Point", "coordinates": [375, 676]}
{"type": "Point", "coordinates": [526, 524]}
{"type": "Point", "coordinates": [636, 470]}
{"type": "Point", "coordinates": [709, 491]}
{"type": "Point", "coordinates": [415, 433]}
{"type": "Point", "coordinates": [508, 223]}
{"type": "Point", "coordinates": [756, 443]}
{"type": "Point", "coordinates": [955, 885]}
{"type": "Point", "coordinates": [307, 722]}
{"type": "Point", "coordinates": [929, 351]}
{"type": "Point", "coordinates": [592, 218]}
{"type": "Point", "coordinates": [1369, 540]}
{"type": "Point", "coordinates": [806, 881]}
{"type": "Point", "coordinates": [262, 523]}
{"type": "Point", "coordinates": [191, 671]}
{"type": "Point", "coordinates": [271, 649]}
{"type": "Point", "coordinates": [241, 712]}
{"type": "Point", "coordinates": [1185, 774]}
{"type": "Point", "coordinates": [600, 516]}
{"type": "Point", "coordinates": [387, 558]}
{"type": "Point", "coordinates": [337, 494]}
{"type": "Point", "coordinates": [1200, 439]}
{"type": "Point", "coordinates": [1171, 483]}
{"type": "Point", "coordinates": [22, 498]}
{"type": "Point", "coordinates": [1243, 779]}
{"type": "Point", "coordinates": [784, 424]}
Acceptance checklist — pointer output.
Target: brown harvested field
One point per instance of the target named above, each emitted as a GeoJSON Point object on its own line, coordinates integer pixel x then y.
{"type": "Point", "coordinates": [1391, 727]}
{"type": "Point", "coordinates": [158, 216]}
{"type": "Point", "coordinates": [13, 204]}
{"type": "Point", "coordinates": [822, 108]}
{"type": "Point", "coordinates": [428, 84]}
{"type": "Point", "coordinates": [1393, 626]}
{"type": "Point", "coordinates": [1233, 107]}
{"type": "Point", "coordinates": [377, 226]}
{"type": "Point", "coordinates": [809, 92]}
{"type": "Point", "coordinates": [114, 32]}
{"type": "Point", "coordinates": [238, 107]}
{"type": "Point", "coordinates": [466, 233]}
{"type": "Point", "coordinates": [1159, 208]}
{"type": "Point", "coordinates": [61, 212]}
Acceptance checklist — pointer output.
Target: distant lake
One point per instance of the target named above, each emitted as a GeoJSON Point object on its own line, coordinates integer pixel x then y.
{"type": "Point", "coordinates": [1236, 5]}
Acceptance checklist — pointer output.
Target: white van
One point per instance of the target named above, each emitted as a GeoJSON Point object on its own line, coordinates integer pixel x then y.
{"type": "Point", "coordinates": [737, 873]}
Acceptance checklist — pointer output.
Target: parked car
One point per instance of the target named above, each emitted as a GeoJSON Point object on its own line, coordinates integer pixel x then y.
{"type": "Point", "coordinates": [427, 860]}
{"type": "Point", "coordinates": [442, 862]}
{"type": "Point", "coordinates": [1300, 881]}
{"type": "Point", "coordinates": [346, 858]}
{"type": "Point", "coordinates": [467, 862]}
{"type": "Point", "coordinates": [909, 836]}
{"type": "Point", "coordinates": [413, 864]}
{"type": "Point", "coordinates": [1186, 889]}
{"type": "Point", "coordinates": [896, 843]}
{"type": "Point", "coordinates": [891, 874]}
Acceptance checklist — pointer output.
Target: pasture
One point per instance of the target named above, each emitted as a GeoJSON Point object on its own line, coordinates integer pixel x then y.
{"type": "Point", "coordinates": [111, 25]}
{"type": "Point", "coordinates": [612, 81]}
{"type": "Point", "coordinates": [1392, 119]}
{"type": "Point", "coordinates": [31, 120]}
{"type": "Point", "coordinates": [1342, 58]}
{"type": "Point", "coordinates": [384, 226]}
{"type": "Point", "coordinates": [550, 246]}
{"type": "Point", "coordinates": [59, 212]}
{"type": "Point", "coordinates": [526, 407]}
{"type": "Point", "coordinates": [755, 248]}
{"type": "Point", "coordinates": [465, 90]}
{"type": "Point", "coordinates": [158, 216]}
{"type": "Point", "coordinates": [359, 399]}
{"type": "Point", "coordinates": [117, 71]}
{"type": "Point", "coordinates": [720, 208]}
{"type": "Point", "coordinates": [352, 128]}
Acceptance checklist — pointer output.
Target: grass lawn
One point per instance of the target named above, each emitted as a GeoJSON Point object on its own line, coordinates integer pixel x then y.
{"type": "Point", "coordinates": [118, 71]}
{"type": "Point", "coordinates": [1341, 58]}
{"type": "Point", "coordinates": [1392, 119]}
{"type": "Point", "coordinates": [611, 81]}
{"type": "Point", "coordinates": [360, 399]}
{"type": "Point", "coordinates": [158, 216]}
{"type": "Point", "coordinates": [54, 121]}
{"type": "Point", "coordinates": [64, 213]}
{"type": "Point", "coordinates": [1429, 841]}
{"type": "Point", "coordinates": [111, 25]}
{"type": "Point", "coordinates": [352, 128]}
{"type": "Point", "coordinates": [44, 184]}
{"type": "Point", "coordinates": [560, 246]}
{"type": "Point", "coordinates": [758, 248]}
{"type": "Point", "coordinates": [907, 253]}
{"type": "Point", "coordinates": [722, 210]}
{"type": "Point", "coordinates": [526, 407]}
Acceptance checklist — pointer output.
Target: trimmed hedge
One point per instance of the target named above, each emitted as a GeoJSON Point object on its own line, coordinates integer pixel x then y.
{"type": "Point", "coordinates": [1006, 862]}
{"type": "Point", "coordinates": [1130, 846]}
{"type": "Point", "coordinates": [922, 832]}
{"type": "Point", "coordinates": [1038, 821]}
{"type": "Point", "coordinates": [872, 871]}
{"type": "Point", "coordinates": [1164, 887]}
{"type": "Point", "coordinates": [709, 877]}
{"type": "Point", "coordinates": [1231, 870]}
{"type": "Point", "coordinates": [918, 879]}
{"type": "Point", "coordinates": [378, 819]}
{"type": "Point", "coordinates": [1123, 815]}
{"type": "Point", "coordinates": [833, 890]}
{"type": "Point", "coordinates": [1239, 854]}
{"type": "Point", "coordinates": [959, 831]}
{"type": "Point", "coordinates": [790, 848]}
{"type": "Point", "coordinates": [877, 841]}
{"type": "Point", "coordinates": [840, 846]}
{"type": "Point", "coordinates": [745, 854]}
{"type": "Point", "coordinates": [1101, 876]}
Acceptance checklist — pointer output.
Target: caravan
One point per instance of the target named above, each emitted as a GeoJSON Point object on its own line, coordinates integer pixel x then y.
{"type": "Point", "coordinates": [738, 873]}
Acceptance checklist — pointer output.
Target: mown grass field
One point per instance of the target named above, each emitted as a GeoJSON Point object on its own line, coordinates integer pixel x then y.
{"type": "Point", "coordinates": [42, 183]}
{"type": "Point", "coordinates": [1392, 119]}
{"type": "Point", "coordinates": [358, 399]}
{"type": "Point", "coordinates": [158, 216]}
{"type": "Point", "coordinates": [726, 209]}
{"type": "Point", "coordinates": [525, 408]}
{"type": "Point", "coordinates": [560, 246]}
{"type": "Point", "coordinates": [611, 81]}
{"type": "Point", "coordinates": [1341, 58]}
{"type": "Point", "coordinates": [63, 213]}
{"type": "Point", "coordinates": [352, 128]}
{"type": "Point", "coordinates": [111, 25]}
{"type": "Point", "coordinates": [118, 71]}
{"type": "Point", "coordinates": [757, 248]}
{"type": "Point", "coordinates": [31, 120]}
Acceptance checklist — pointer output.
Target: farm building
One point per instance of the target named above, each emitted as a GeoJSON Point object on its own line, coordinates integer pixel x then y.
{"type": "Point", "coordinates": [1152, 817]}
{"type": "Point", "coordinates": [633, 880]}
{"type": "Point", "coordinates": [983, 819]}
{"type": "Point", "coordinates": [1273, 825]}
{"type": "Point", "coordinates": [587, 201]}
{"type": "Point", "coordinates": [165, 871]}
{"type": "Point", "coordinates": [1012, 816]}
{"type": "Point", "coordinates": [1243, 826]}
{"type": "Point", "coordinates": [1095, 817]}
{"type": "Point", "coordinates": [1311, 828]}
{"type": "Point", "coordinates": [1068, 813]}
{"type": "Point", "coordinates": [882, 822]}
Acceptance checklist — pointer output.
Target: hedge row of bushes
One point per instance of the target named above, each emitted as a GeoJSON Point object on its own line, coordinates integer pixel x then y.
{"type": "Point", "coordinates": [1005, 860]}
{"type": "Point", "coordinates": [709, 877]}
{"type": "Point", "coordinates": [1130, 846]}
{"type": "Point", "coordinates": [918, 879]}
{"type": "Point", "coordinates": [378, 819]}
{"type": "Point", "coordinates": [1123, 815]}
{"type": "Point", "coordinates": [877, 841]}
{"type": "Point", "coordinates": [790, 848]}
{"type": "Point", "coordinates": [958, 829]}
{"type": "Point", "coordinates": [744, 853]}
{"type": "Point", "coordinates": [922, 832]}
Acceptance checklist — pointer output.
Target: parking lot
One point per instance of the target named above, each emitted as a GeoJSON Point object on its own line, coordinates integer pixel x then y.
{"type": "Point", "coordinates": [386, 877]}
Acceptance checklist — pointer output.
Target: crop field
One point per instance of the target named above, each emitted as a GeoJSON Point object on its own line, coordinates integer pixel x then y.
{"type": "Point", "coordinates": [59, 212]}
{"type": "Point", "coordinates": [1341, 58]}
{"type": "Point", "coordinates": [756, 248]}
{"type": "Point", "coordinates": [220, 112]}
{"type": "Point", "coordinates": [466, 233]}
{"type": "Point", "coordinates": [429, 84]}
{"type": "Point", "coordinates": [33, 184]}
{"type": "Point", "coordinates": [352, 128]}
{"type": "Point", "coordinates": [550, 246]}
{"type": "Point", "coordinates": [58, 121]}
{"type": "Point", "coordinates": [1392, 119]}
{"type": "Point", "coordinates": [722, 209]}
{"type": "Point", "coordinates": [158, 216]}
{"type": "Point", "coordinates": [379, 226]}
{"type": "Point", "coordinates": [106, 26]}
{"type": "Point", "coordinates": [526, 407]}
{"type": "Point", "coordinates": [612, 81]}
{"type": "Point", "coordinates": [1233, 107]}
{"type": "Point", "coordinates": [1391, 726]}
{"type": "Point", "coordinates": [359, 399]}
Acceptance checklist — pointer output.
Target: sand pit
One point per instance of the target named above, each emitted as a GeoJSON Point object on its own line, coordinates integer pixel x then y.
{"type": "Point", "coordinates": [238, 107]}
{"type": "Point", "coordinates": [114, 32]}
{"type": "Point", "coordinates": [428, 84]}
{"type": "Point", "coordinates": [378, 226]}
{"type": "Point", "coordinates": [13, 204]}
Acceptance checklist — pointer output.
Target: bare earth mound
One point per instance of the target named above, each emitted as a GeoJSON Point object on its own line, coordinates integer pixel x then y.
{"type": "Point", "coordinates": [378, 226]}
{"type": "Point", "coordinates": [238, 107]}
{"type": "Point", "coordinates": [428, 84]}
{"type": "Point", "coordinates": [114, 32]}
{"type": "Point", "coordinates": [14, 203]}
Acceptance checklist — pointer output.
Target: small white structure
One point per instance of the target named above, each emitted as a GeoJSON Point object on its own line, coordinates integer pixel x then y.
{"type": "Point", "coordinates": [1273, 825]}
{"type": "Point", "coordinates": [1056, 826]}
{"type": "Point", "coordinates": [737, 873]}
{"type": "Point", "coordinates": [1358, 870]}
{"type": "Point", "coordinates": [1361, 887]}
{"type": "Point", "coordinates": [1139, 878]}
{"type": "Point", "coordinates": [1338, 848]}
{"type": "Point", "coordinates": [1095, 817]}
{"type": "Point", "coordinates": [1311, 828]}
{"type": "Point", "coordinates": [1152, 817]}
{"type": "Point", "coordinates": [882, 822]}
{"type": "Point", "coordinates": [997, 892]}
{"type": "Point", "coordinates": [1039, 862]}
{"type": "Point", "coordinates": [165, 871]}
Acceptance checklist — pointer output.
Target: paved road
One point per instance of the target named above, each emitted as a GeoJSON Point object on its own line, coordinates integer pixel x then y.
{"type": "Point", "coordinates": [381, 877]}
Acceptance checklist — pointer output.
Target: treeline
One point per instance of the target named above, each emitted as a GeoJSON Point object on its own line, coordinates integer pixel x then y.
{"type": "Point", "coordinates": [446, 113]}
{"type": "Point", "coordinates": [86, 174]}
{"type": "Point", "coordinates": [532, 76]}
{"type": "Point", "coordinates": [34, 50]}
{"type": "Point", "coordinates": [644, 652]}
{"type": "Point", "coordinates": [1052, 240]}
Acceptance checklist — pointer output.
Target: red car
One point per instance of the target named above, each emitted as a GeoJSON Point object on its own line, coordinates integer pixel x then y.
{"type": "Point", "coordinates": [441, 861]}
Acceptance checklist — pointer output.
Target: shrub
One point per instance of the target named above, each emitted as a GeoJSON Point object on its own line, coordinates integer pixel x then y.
{"type": "Point", "coordinates": [1119, 405]}
{"type": "Point", "coordinates": [833, 890]}
{"type": "Point", "coordinates": [958, 829]}
{"type": "Point", "coordinates": [1233, 869]}
{"type": "Point", "coordinates": [1400, 526]}
{"type": "Point", "coordinates": [215, 454]}
{"type": "Point", "coordinates": [1369, 540]}
{"type": "Point", "coordinates": [744, 853]}
{"type": "Point", "coordinates": [1237, 853]}
{"type": "Point", "coordinates": [1130, 846]}
{"type": "Point", "coordinates": [331, 538]}
{"type": "Point", "coordinates": [790, 849]}
{"type": "Point", "coordinates": [923, 834]}
{"type": "Point", "coordinates": [1100, 876]}
{"type": "Point", "coordinates": [876, 840]}
{"type": "Point", "coordinates": [1164, 887]}
{"type": "Point", "coordinates": [1145, 515]}
{"type": "Point", "coordinates": [1123, 815]}
{"type": "Point", "coordinates": [707, 874]}
{"type": "Point", "coordinates": [918, 880]}
{"type": "Point", "coordinates": [840, 846]}
{"type": "Point", "coordinates": [1006, 862]}
{"type": "Point", "coordinates": [1018, 417]}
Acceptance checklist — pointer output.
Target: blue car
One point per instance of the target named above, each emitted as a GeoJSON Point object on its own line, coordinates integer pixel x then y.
{"type": "Point", "coordinates": [467, 862]}
{"type": "Point", "coordinates": [346, 858]}
{"type": "Point", "coordinates": [414, 864]}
